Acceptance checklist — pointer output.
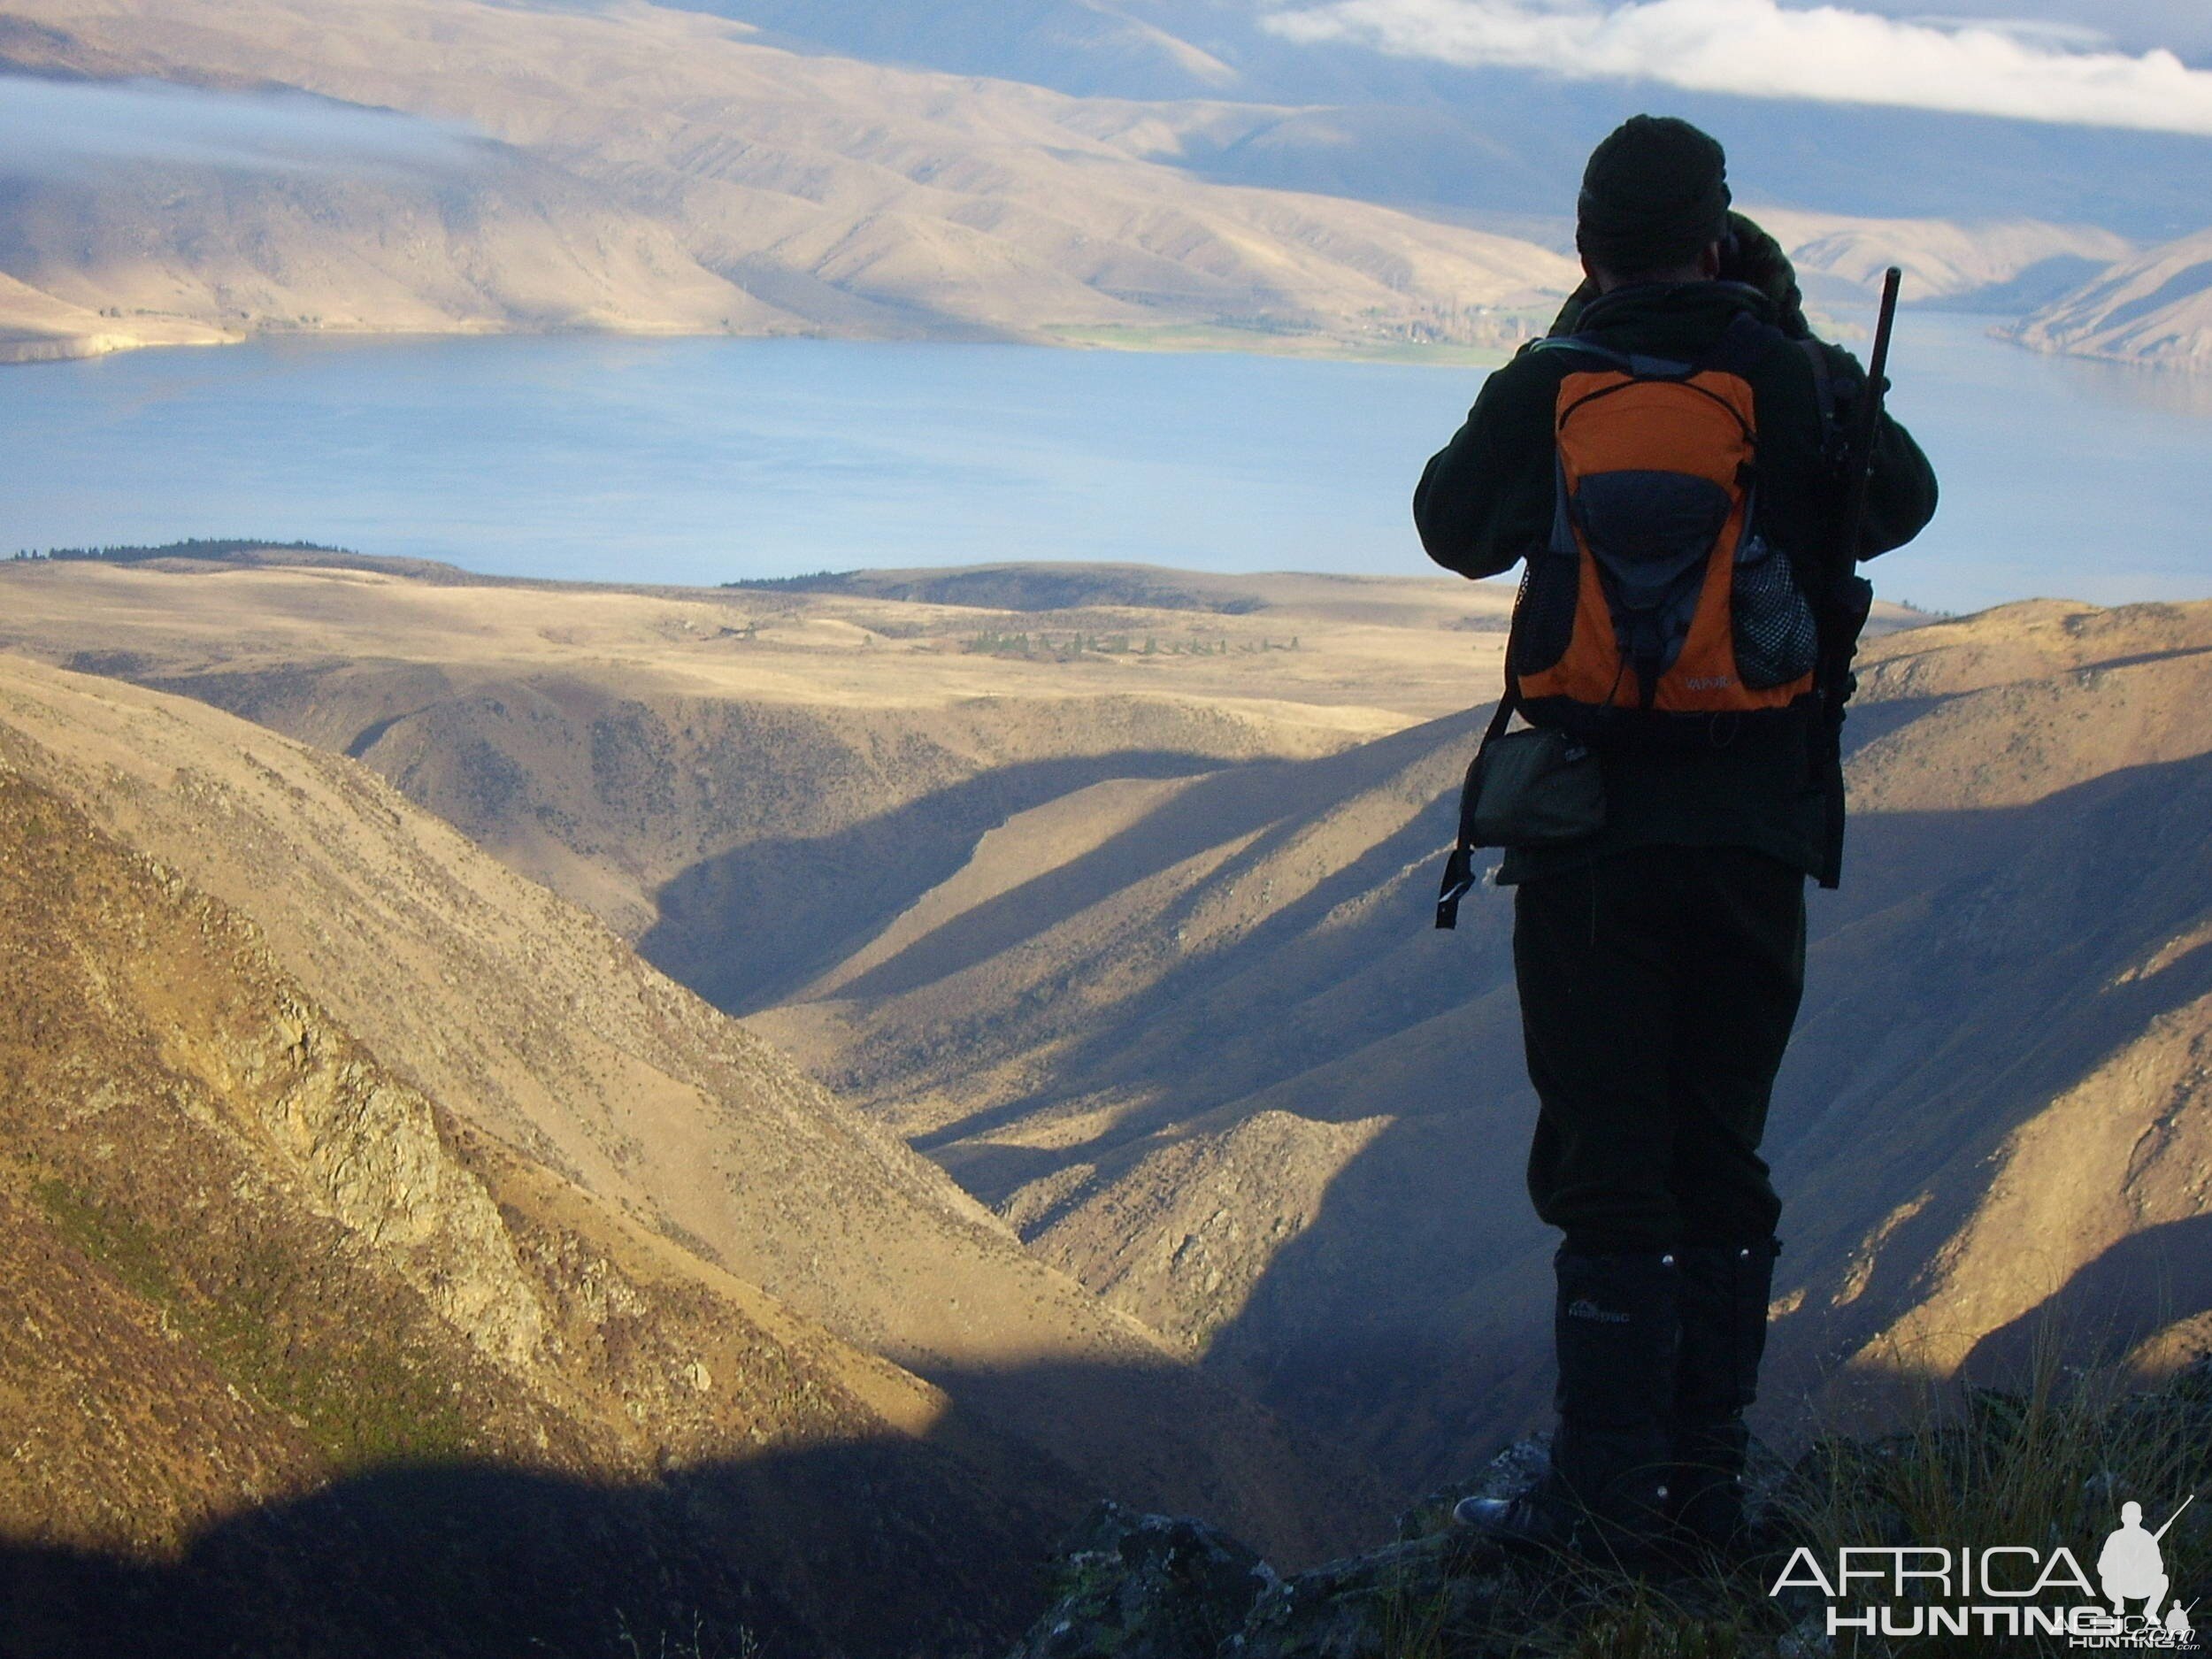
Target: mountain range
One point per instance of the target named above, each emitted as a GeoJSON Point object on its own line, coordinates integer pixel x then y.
{"type": "Point", "coordinates": [1111, 900]}
{"type": "Point", "coordinates": [1254, 107]}
{"type": "Point", "coordinates": [1159, 172]}
{"type": "Point", "coordinates": [661, 170]}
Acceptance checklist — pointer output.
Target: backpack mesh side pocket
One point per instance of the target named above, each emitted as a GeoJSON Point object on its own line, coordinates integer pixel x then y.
{"type": "Point", "coordinates": [1550, 591]}
{"type": "Point", "coordinates": [1776, 639]}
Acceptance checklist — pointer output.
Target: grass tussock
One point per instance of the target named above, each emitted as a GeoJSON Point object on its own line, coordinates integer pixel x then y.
{"type": "Point", "coordinates": [692, 1642]}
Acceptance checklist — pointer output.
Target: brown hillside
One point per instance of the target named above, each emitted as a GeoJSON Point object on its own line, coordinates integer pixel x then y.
{"type": "Point", "coordinates": [179, 250]}
{"type": "Point", "coordinates": [255, 1273]}
{"type": "Point", "coordinates": [1941, 258]}
{"type": "Point", "coordinates": [2156, 308]}
{"type": "Point", "coordinates": [36, 327]}
{"type": "Point", "coordinates": [1186, 1030]}
{"type": "Point", "coordinates": [664, 170]}
{"type": "Point", "coordinates": [1210, 1060]}
{"type": "Point", "coordinates": [683, 762]}
{"type": "Point", "coordinates": [533, 1025]}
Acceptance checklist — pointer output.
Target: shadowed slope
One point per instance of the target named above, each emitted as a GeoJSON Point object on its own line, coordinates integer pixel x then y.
{"type": "Point", "coordinates": [1184, 1025]}
{"type": "Point", "coordinates": [371, 1374]}
{"type": "Point", "coordinates": [1214, 1062]}
{"type": "Point", "coordinates": [777, 766]}
{"type": "Point", "coordinates": [2155, 308]}
{"type": "Point", "coordinates": [535, 1026]}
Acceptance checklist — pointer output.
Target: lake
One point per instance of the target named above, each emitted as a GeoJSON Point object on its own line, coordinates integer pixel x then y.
{"type": "Point", "coordinates": [598, 457]}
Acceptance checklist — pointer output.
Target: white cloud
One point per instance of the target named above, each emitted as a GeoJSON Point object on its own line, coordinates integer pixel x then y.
{"type": "Point", "coordinates": [50, 126]}
{"type": "Point", "coordinates": [1757, 48]}
{"type": "Point", "coordinates": [2049, 33]}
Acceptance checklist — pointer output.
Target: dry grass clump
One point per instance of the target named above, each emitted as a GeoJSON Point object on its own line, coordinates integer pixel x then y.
{"type": "Point", "coordinates": [2046, 1465]}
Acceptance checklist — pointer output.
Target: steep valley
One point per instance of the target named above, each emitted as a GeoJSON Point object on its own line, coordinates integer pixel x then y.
{"type": "Point", "coordinates": [1135, 947]}
{"type": "Point", "coordinates": [799, 766]}
{"type": "Point", "coordinates": [295, 1354]}
{"type": "Point", "coordinates": [367, 1184]}
{"type": "Point", "coordinates": [1210, 1059]}
{"type": "Point", "coordinates": [606, 1120]}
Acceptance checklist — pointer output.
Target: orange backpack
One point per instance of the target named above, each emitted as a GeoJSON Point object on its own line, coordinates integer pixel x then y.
{"type": "Point", "coordinates": [1658, 606]}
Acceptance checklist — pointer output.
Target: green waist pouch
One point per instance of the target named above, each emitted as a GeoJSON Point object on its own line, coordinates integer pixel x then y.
{"type": "Point", "coordinates": [1532, 788]}
{"type": "Point", "coordinates": [1528, 789]}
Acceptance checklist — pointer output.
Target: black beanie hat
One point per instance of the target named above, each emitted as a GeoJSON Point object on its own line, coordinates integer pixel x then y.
{"type": "Point", "coordinates": [1656, 193]}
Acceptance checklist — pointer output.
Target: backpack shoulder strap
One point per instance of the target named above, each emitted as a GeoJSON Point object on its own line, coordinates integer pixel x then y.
{"type": "Point", "coordinates": [1459, 866]}
{"type": "Point", "coordinates": [1824, 396]}
{"type": "Point", "coordinates": [1631, 363]}
{"type": "Point", "coordinates": [1824, 379]}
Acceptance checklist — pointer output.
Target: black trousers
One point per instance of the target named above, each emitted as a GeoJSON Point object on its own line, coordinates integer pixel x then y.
{"type": "Point", "coordinates": [1658, 986]}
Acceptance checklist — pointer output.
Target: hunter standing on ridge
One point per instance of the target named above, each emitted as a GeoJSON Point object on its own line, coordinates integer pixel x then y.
{"type": "Point", "coordinates": [1668, 464]}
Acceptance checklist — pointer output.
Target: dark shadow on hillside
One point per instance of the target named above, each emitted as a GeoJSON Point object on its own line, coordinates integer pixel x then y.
{"type": "Point", "coordinates": [751, 925]}
{"type": "Point", "coordinates": [859, 1549]}
{"type": "Point", "coordinates": [1269, 799]}
{"type": "Point", "coordinates": [1970, 972]}
{"type": "Point", "coordinates": [1868, 722]}
{"type": "Point", "coordinates": [876, 868]}
{"type": "Point", "coordinates": [1976, 967]}
{"type": "Point", "coordinates": [883, 1548]}
{"type": "Point", "coordinates": [1288, 960]}
{"type": "Point", "coordinates": [1409, 1313]}
{"type": "Point", "coordinates": [2110, 1306]}
{"type": "Point", "coordinates": [2023, 933]}
{"type": "Point", "coordinates": [1204, 1002]}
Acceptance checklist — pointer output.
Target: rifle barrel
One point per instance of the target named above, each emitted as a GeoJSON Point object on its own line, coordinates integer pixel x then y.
{"type": "Point", "coordinates": [1878, 366]}
{"type": "Point", "coordinates": [1866, 423]}
{"type": "Point", "coordinates": [2171, 1519]}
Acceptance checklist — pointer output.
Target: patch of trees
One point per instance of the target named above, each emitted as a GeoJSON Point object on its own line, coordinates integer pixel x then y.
{"type": "Point", "coordinates": [194, 549]}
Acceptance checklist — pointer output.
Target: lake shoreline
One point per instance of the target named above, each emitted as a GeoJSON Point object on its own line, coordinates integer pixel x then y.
{"type": "Point", "coordinates": [691, 460]}
{"type": "Point", "coordinates": [22, 349]}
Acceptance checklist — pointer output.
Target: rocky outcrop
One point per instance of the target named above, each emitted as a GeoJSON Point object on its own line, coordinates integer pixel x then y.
{"type": "Point", "coordinates": [1160, 1588]}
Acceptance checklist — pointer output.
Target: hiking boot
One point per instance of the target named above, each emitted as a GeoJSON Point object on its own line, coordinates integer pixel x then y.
{"type": "Point", "coordinates": [1605, 1495]}
{"type": "Point", "coordinates": [1541, 1518]}
{"type": "Point", "coordinates": [1724, 1291]}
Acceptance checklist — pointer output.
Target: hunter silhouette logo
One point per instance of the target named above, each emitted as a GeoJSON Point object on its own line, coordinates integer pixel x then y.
{"type": "Point", "coordinates": [2131, 1567]}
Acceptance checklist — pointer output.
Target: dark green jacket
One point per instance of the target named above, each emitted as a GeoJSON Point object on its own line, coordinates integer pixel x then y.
{"type": "Point", "coordinates": [1486, 500]}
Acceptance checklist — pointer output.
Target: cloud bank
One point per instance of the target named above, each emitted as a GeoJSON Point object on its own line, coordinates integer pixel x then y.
{"type": "Point", "coordinates": [1757, 47]}
{"type": "Point", "coordinates": [63, 127]}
